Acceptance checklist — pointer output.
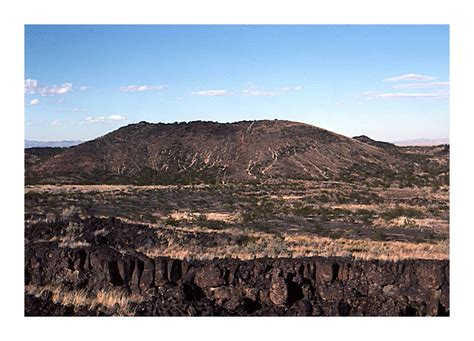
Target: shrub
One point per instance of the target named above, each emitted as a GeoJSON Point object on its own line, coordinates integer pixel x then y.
{"type": "Point", "coordinates": [201, 220]}
{"type": "Point", "coordinates": [398, 211]}
{"type": "Point", "coordinates": [74, 228]}
{"type": "Point", "coordinates": [171, 221]}
{"type": "Point", "coordinates": [70, 212]}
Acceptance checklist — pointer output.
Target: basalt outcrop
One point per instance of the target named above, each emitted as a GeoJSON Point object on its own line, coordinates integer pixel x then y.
{"type": "Point", "coordinates": [313, 286]}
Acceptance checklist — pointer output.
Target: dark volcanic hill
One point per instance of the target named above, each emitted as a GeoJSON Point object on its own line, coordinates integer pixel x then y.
{"type": "Point", "coordinates": [380, 144]}
{"type": "Point", "coordinates": [211, 152]}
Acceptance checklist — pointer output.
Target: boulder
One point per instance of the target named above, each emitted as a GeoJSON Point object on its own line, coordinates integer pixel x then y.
{"type": "Point", "coordinates": [209, 276]}
{"type": "Point", "coordinates": [278, 291]}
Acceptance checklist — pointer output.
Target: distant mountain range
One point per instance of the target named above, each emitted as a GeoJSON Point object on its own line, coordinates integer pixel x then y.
{"type": "Point", "coordinates": [36, 144]}
{"type": "Point", "coordinates": [422, 142]}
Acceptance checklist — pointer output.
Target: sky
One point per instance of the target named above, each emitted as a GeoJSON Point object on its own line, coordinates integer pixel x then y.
{"type": "Point", "coordinates": [389, 82]}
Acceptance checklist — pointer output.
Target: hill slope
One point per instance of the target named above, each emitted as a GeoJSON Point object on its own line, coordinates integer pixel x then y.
{"type": "Point", "coordinates": [211, 152]}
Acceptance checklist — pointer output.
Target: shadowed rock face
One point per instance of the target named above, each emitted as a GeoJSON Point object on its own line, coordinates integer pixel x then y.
{"type": "Point", "coordinates": [210, 152]}
{"type": "Point", "coordinates": [305, 286]}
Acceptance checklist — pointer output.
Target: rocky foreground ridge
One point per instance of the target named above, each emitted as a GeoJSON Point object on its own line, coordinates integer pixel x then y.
{"type": "Point", "coordinates": [264, 287]}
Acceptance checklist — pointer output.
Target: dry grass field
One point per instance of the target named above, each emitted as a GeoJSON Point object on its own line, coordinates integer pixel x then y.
{"type": "Point", "coordinates": [272, 219]}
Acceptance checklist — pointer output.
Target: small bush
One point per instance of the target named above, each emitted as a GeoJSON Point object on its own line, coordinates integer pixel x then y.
{"type": "Point", "coordinates": [201, 220]}
{"type": "Point", "coordinates": [243, 239]}
{"type": "Point", "coordinates": [74, 229]}
{"type": "Point", "coordinates": [398, 211]}
{"type": "Point", "coordinates": [70, 212]}
{"type": "Point", "coordinates": [171, 221]}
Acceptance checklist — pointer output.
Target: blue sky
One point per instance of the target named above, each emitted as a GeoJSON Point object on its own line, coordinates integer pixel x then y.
{"type": "Point", "coordinates": [388, 82]}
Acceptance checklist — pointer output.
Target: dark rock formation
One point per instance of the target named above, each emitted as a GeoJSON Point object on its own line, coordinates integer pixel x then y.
{"type": "Point", "coordinates": [304, 286]}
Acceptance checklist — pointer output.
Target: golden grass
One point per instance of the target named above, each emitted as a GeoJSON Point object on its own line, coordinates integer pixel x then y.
{"type": "Point", "coordinates": [73, 244]}
{"type": "Point", "coordinates": [262, 244]}
{"type": "Point", "coordinates": [366, 249]}
{"type": "Point", "coordinates": [220, 216]}
{"type": "Point", "coordinates": [102, 188]}
{"type": "Point", "coordinates": [259, 245]}
{"type": "Point", "coordinates": [432, 224]}
{"type": "Point", "coordinates": [109, 299]}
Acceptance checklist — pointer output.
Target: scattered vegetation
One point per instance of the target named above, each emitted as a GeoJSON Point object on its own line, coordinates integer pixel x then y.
{"type": "Point", "coordinates": [116, 300]}
{"type": "Point", "coordinates": [399, 211]}
{"type": "Point", "coordinates": [253, 219]}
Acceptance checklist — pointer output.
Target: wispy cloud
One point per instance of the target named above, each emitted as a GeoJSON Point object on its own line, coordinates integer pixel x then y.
{"type": "Point", "coordinates": [56, 90]}
{"type": "Point", "coordinates": [290, 88]}
{"type": "Point", "coordinates": [57, 122]}
{"type": "Point", "coordinates": [32, 123]}
{"type": "Point", "coordinates": [409, 77]}
{"type": "Point", "coordinates": [254, 91]}
{"type": "Point", "coordinates": [377, 94]}
{"type": "Point", "coordinates": [32, 87]}
{"type": "Point", "coordinates": [34, 101]}
{"type": "Point", "coordinates": [83, 88]}
{"type": "Point", "coordinates": [116, 118]}
{"type": "Point", "coordinates": [135, 88]}
{"type": "Point", "coordinates": [220, 92]}
{"type": "Point", "coordinates": [422, 85]}
{"type": "Point", "coordinates": [102, 119]}
{"type": "Point", "coordinates": [251, 90]}
{"type": "Point", "coordinates": [97, 119]}
{"type": "Point", "coordinates": [260, 93]}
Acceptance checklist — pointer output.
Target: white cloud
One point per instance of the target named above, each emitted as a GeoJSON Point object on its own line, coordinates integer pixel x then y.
{"type": "Point", "coordinates": [57, 122]}
{"type": "Point", "coordinates": [376, 94]}
{"type": "Point", "coordinates": [290, 88]}
{"type": "Point", "coordinates": [422, 85]}
{"type": "Point", "coordinates": [83, 87]}
{"type": "Point", "coordinates": [260, 93]}
{"type": "Point", "coordinates": [133, 88]}
{"type": "Point", "coordinates": [55, 90]}
{"type": "Point", "coordinates": [32, 123]}
{"type": "Point", "coordinates": [409, 77]}
{"type": "Point", "coordinates": [116, 118]}
{"type": "Point", "coordinates": [32, 87]}
{"type": "Point", "coordinates": [369, 93]}
{"type": "Point", "coordinates": [34, 101]}
{"type": "Point", "coordinates": [102, 119]}
{"type": "Point", "coordinates": [213, 93]}
{"type": "Point", "coordinates": [253, 91]}
{"type": "Point", "coordinates": [91, 119]}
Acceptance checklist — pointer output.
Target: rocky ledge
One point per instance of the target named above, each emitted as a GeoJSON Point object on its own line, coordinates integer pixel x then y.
{"type": "Point", "coordinates": [313, 286]}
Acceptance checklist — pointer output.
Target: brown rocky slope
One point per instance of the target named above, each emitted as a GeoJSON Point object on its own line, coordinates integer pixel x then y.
{"type": "Point", "coordinates": [211, 152]}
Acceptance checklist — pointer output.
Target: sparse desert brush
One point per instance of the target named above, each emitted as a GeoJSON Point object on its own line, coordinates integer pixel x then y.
{"type": "Point", "coordinates": [50, 218]}
{"type": "Point", "coordinates": [171, 221]}
{"type": "Point", "coordinates": [74, 228]}
{"type": "Point", "coordinates": [70, 212]}
{"type": "Point", "coordinates": [72, 244]}
{"type": "Point", "coordinates": [399, 211]}
{"type": "Point", "coordinates": [248, 220]}
{"type": "Point", "coordinates": [248, 244]}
